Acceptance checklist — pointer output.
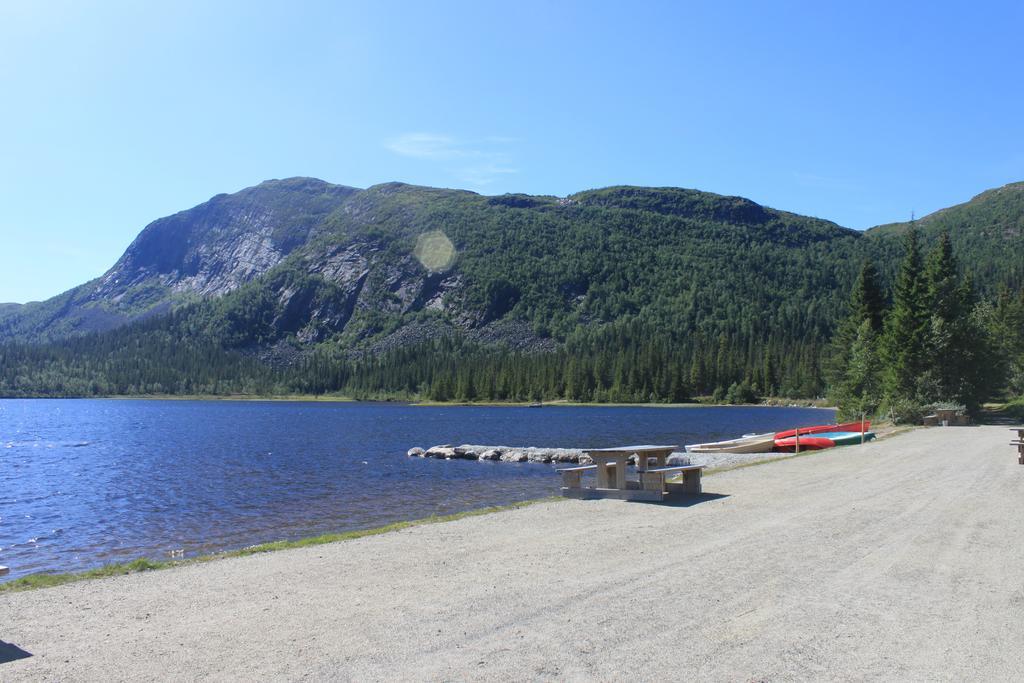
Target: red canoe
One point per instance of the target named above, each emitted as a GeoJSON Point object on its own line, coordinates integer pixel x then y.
{"type": "Point", "coordinates": [845, 427]}
{"type": "Point", "coordinates": [807, 443]}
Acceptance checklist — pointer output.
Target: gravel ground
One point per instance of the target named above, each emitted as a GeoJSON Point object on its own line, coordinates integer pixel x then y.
{"type": "Point", "coordinates": [899, 560]}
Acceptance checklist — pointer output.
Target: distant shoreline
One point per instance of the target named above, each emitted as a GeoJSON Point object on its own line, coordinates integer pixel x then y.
{"type": "Point", "coordinates": [327, 398]}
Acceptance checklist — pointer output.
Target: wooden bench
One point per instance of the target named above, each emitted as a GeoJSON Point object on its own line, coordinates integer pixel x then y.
{"type": "Point", "coordinates": [1020, 450]}
{"type": "Point", "coordinates": [654, 479]}
{"type": "Point", "coordinates": [610, 466]}
{"type": "Point", "coordinates": [572, 477]}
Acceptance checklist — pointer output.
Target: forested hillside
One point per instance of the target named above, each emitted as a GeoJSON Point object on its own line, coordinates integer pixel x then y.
{"type": "Point", "coordinates": [623, 293]}
{"type": "Point", "coordinates": [986, 232]}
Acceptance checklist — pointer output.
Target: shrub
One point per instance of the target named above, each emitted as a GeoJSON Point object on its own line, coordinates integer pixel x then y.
{"type": "Point", "coordinates": [907, 411]}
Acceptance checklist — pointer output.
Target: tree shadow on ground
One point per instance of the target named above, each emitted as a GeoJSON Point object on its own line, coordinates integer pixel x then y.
{"type": "Point", "coordinates": [10, 652]}
{"type": "Point", "coordinates": [1001, 416]}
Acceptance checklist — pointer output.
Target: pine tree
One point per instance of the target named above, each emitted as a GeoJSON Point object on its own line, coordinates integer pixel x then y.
{"type": "Point", "coordinates": [769, 376]}
{"type": "Point", "coordinates": [867, 304]}
{"type": "Point", "coordinates": [905, 341]}
{"type": "Point", "coordinates": [948, 330]}
{"type": "Point", "coordinates": [941, 280]}
{"type": "Point", "coordinates": [963, 357]}
{"type": "Point", "coordinates": [1006, 325]}
{"type": "Point", "coordinates": [697, 379]}
{"type": "Point", "coordinates": [859, 391]}
{"type": "Point", "coordinates": [868, 301]}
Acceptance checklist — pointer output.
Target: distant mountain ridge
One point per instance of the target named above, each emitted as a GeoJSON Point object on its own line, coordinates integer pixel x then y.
{"type": "Point", "coordinates": [304, 262]}
{"type": "Point", "coordinates": [987, 232]}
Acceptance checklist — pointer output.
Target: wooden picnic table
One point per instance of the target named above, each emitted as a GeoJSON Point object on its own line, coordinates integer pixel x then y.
{"type": "Point", "coordinates": [610, 469]}
{"type": "Point", "coordinates": [1019, 443]}
{"type": "Point", "coordinates": [619, 457]}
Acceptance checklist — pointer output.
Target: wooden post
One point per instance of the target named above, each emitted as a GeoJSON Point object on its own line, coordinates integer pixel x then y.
{"type": "Point", "coordinates": [862, 416]}
{"type": "Point", "coordinates": [691, 481]}
{"type": "Point", "coordinates": [572, 479]}
{"type": "Point", "coordinates": [620, 471]}
{"type": "Point", "coordinates": [797, 435]}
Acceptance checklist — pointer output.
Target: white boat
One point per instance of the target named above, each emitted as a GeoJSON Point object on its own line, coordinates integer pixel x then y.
{"type": "Point", "coordinates": [752, 443]}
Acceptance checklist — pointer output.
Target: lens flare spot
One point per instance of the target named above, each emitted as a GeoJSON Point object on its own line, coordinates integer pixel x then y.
{"type": "Point", "coordinates": [435, 251]}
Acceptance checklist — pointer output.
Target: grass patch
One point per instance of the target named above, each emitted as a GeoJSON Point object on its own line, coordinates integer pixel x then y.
{"type": "Point", "coordinates": [47, 580]}
{"type": "Point", "coordinates": [1015, 408]}
{"type": "Point", "coordinates": [1012, 410]}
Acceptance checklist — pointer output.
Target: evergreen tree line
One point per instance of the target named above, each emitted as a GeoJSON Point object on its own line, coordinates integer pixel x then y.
{"type": "Point", "coordinates": [931, 343]}
{"type": "Point", "coordinates": [627, 361]}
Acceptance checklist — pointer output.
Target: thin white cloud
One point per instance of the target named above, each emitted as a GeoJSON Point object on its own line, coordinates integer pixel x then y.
{"type": "Point", "coordinates": [477, 162]}
{"type": "Point", "coordinates": [484, 174]}
{"type": "Point", "coordinates": [427, 146]}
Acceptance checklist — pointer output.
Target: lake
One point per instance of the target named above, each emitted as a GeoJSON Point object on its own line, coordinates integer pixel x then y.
{"type": "Point", "coordinates": [85, 482]}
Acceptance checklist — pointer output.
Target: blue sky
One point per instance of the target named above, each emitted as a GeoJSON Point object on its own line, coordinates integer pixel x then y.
{"type": "Point", "coordinates": [116, 113]}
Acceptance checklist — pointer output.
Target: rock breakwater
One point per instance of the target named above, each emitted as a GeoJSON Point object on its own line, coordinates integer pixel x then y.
{"type": "Point", "coordinates": [517, 454]}
{"type": "Point", "coordinates": [558, 456]}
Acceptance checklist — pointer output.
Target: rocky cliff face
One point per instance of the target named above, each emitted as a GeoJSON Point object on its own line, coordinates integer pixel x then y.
{"type": "Point", "coordinates": [216, 247]}
{"type": "Point", "coordinates": [201, 253]}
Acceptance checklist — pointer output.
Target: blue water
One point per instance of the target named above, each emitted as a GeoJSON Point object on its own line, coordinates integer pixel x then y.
{"type": "Point", "coordinates": [86, 482]}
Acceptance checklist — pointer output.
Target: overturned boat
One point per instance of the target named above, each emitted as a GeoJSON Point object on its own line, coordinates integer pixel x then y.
{"type": "Point", "coordinates": [820, 440]}
{"type": "Point", "coordinates": [817, 436]}
{"type": "Point", "coordinates": [820, 429]}
{"type": "Point", "coordinates": [751, 443]}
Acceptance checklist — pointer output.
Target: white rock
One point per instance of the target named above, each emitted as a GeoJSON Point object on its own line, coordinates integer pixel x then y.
{"type": "Point", "coordinates": [678, 459]}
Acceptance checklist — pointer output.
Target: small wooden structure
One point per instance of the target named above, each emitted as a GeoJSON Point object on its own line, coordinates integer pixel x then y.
{"type": "Point", "coordinates": [1019, 443]}
{"type": "Point", "coordinates": [945, 418]}
{"type": "Point", "coordinates": [651, 483]}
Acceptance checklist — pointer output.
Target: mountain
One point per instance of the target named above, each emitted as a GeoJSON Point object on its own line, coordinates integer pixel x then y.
{"type": "Point", "coordinates": [987, 233]}
{"type": "Point", "coordinates": [203, 252]}
{"type": "Point", "coordinates": [294, 279]}
{"type": "Point", "coordinates": [324, 252]}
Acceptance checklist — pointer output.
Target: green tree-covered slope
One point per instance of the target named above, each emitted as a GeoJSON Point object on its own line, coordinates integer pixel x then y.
{"type": "Point", "coordinates": [645, 292]}
{"type": "Point", "coordinates": [987, 233]}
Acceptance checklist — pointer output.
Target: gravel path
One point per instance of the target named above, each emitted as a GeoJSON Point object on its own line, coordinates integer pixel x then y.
{"type": "Point", "coordinates": [899, 560]}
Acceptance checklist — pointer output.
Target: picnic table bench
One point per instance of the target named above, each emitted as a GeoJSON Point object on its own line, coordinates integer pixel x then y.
{"type": "Point", "coordinates": [1019, 443]}
{"type": "Point", "coordinates": [656, 479]}
{"type": "Point", "coordinates": [610, 466]}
